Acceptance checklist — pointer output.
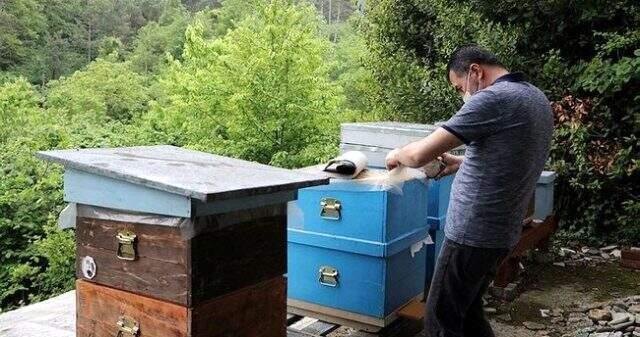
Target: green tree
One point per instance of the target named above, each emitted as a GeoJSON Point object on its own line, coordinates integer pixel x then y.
{"type": "Point", "coordinates": [410, 42]}
{"type": "Point", "coordinates": [20, 23]}
{"type": "Point", "coordinates": [159, 38]}
{"type": "Point", "coordinates": [262, 92]}
{"type": "Point", "coordinates": [105, 90]}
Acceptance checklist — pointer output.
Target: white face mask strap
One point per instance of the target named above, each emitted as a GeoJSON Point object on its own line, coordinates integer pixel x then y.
{"type": "Point", "coordinates": [467, 91]}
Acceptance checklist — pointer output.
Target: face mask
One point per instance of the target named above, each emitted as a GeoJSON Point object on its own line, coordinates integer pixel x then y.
{"type": "Point", "coordinates": [467, 94]}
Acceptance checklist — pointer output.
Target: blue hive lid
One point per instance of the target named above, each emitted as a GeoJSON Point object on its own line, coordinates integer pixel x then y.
{"type": "Point", "coordinates": [189, 173]}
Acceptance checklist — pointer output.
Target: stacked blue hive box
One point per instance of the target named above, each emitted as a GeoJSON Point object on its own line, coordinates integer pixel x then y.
{"type": "Point", "coordinates": [356, 251]}
{"type": "Point", "coordinates": [375, 140]}
{"type": "Point", "coordinates": [368, 248]}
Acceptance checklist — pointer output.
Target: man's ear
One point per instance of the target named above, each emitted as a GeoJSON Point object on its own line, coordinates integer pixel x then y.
{"type": "Point", "coordinates": [479, 70]}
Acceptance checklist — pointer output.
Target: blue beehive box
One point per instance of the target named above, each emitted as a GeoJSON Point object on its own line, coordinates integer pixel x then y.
{"type": "Point", "coordinates": [356, 251]}
{"type": "Point", "coordinates": [544, 195]}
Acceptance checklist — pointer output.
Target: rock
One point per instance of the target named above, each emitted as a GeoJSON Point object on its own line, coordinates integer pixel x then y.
{"type": "Point", "coordinates": [534, 326]}
{"type": "Point", "coordinates": [618, 309]}
{"type": "Point", "coordinates": [607, 334]}
{"type": "Point", "coordinates": [504, 317]}
{"type": "Point", "coordinates": [593, 251]}
{"type": "Point", "coordinates": [621, 326]}
{"type": "Point", "coordinates": [634, 309]}
{"type": "Point", "coordinates": [617, 253]}
{"type": "Point", "coordinates": [557, 320]}
{"type": "Point", "coordinates": [489, 310]}
{"type": "Point", "coordinates": [621, 306]}
{"type": "Point", "coordinates": [608, 248]}
{"type": "Point", "coordinates": [638, 320]}
{"type": "Point", "coordinates": [605, 256]}
{"type": "Point", "coordinates": [618, 318]}
{"type": "Point", "coordinates": [559, 264]}
{"type": "Point", "coordinates": [545, 313]}
{"type": "Point", "coordinates": [599, 315]}
{"type": "Point", "coordinates": [576, 316]}
{"type": "Point", "coordinates": [636, 333]}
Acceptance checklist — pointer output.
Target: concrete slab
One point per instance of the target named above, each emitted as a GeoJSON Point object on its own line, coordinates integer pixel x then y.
{"type": "Point", "coordinates": [55, 317]}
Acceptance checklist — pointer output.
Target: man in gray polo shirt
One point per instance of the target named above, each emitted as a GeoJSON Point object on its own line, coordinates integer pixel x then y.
{"type": "Point", "coordinates": [506, 124]}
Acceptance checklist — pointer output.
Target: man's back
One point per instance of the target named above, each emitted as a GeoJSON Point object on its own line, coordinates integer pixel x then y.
{"type": "Point", "coordinates": [507, 128]}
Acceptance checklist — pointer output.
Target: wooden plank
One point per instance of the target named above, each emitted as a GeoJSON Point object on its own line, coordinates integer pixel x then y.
{"type": "Point", "coordinates": [296, 333]}
{"type": "Point", "coordinates": [99, 308]}
{"type": "Point", "coordinates": [630, 258]}
{"type": "Point", "coordinates": [291, 318]}
{"type": "Point", "coordinates": [531, 237]}
{"type": "Point", "coordinates": [337, 316]}
{"type": "Point", "coordinates": [226, 256]}
{"type": "Point", "coordinates": [255, 311]}
{"type": "Point", "coordinates": [402, 328]}
{"type": "Point", "coordinates": [160, 270]}
{"type": "Point", "coordinates": [320, 328]}
{"type": "Point", "coordinates": [414, 310]}
{"type": "Point", "coordinates": [631, 254]}
{"type": "Point", "coordinates": [237, 256]}
{"type": "Point", "coordinates": [189, 173]}
{"type": "Point", "coordinates": [303, 323]}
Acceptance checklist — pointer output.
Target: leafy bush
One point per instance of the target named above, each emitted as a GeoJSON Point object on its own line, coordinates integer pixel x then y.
{"type": "Point", "coordinates": [19, 102]}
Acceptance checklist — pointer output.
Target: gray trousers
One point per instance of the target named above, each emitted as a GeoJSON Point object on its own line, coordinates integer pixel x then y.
{"type": "Point", "coordinates": [462, 275]}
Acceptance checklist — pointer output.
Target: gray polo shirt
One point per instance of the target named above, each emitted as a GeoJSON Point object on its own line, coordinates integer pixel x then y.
{"type": "Point", "coordinates": [507, 129]}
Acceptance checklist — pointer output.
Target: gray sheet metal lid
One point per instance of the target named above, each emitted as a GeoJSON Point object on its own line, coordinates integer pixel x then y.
{"type": "Point", "coordinates": [396, 128]}
{"type": "Point", "coordinates": [386, 135]}
{"type": "Point", "coordinates": [194, 174]}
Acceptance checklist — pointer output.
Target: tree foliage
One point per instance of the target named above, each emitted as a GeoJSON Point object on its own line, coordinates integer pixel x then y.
{"type": "Point", "coordinates": [260, 92]}
{"type": "Point", "coordinates": [410, 42]}
{"type": "Point", "coordinates": [271, 81]}
{"type": "Point", "coordinates": [585, 55]}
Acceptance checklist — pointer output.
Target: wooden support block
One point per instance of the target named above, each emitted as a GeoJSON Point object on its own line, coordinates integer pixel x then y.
{"type": "Point", "coordinates": [414, 310]}
{"type": "Point", "coordinates": [630, 258]}
{"type": "Point", "coordinates": [531, 237]}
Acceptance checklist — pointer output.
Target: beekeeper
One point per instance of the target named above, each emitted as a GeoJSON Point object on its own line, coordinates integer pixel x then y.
{"type": "Point", "coordinates": [506, 124]}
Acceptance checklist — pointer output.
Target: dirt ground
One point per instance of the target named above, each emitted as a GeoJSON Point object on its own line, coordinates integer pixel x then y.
{"type": "Point", "coordinates": [546, 286]}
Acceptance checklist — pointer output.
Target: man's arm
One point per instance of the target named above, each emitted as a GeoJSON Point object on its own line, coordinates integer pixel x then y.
{"type": "Point", "coordinates": [420, 153]}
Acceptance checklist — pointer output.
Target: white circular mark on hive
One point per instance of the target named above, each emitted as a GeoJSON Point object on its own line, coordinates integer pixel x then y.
{"type": "Point", "coordinates": [88, 267]}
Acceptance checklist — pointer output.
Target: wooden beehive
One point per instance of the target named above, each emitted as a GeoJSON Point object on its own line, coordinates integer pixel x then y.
{"type": "Point", "coordinates": [173, 242]}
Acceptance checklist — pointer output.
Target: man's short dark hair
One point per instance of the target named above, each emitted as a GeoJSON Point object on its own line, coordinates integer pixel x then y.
{"type": "Point", "coordinates": [464, 56]}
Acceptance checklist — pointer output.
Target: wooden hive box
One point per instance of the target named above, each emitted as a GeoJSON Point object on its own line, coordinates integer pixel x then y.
{"type": "Point", "coordinates": [162, 227]}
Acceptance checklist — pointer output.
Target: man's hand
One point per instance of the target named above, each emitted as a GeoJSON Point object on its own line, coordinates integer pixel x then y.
{"type": "Point", "coordinates": [452, 164]}
{"type": "Point", "coordinates": [391, 161]}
